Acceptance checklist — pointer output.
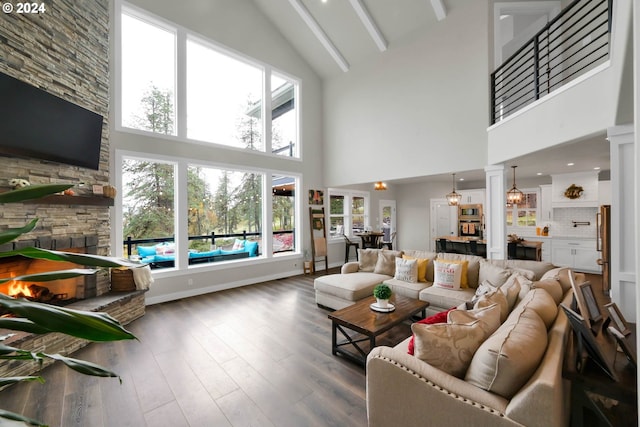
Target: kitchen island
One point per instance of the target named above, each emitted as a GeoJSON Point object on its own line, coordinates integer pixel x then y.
{"type": "Point", "coordinates": [521, 249]}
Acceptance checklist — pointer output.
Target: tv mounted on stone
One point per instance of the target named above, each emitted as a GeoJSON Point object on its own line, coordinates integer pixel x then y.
{"type": "Point", "coordinates": [37, 124]}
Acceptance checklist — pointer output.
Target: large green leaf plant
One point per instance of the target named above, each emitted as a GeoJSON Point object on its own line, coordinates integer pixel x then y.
{"type": "Point", "coordinates": [39, 318]}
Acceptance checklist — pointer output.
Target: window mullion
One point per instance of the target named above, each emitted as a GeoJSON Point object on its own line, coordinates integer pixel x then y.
{"type": "Point", "coordinates": [266, 111]}
{"type": "Point", "coordinates": [267, 215]}
{"type": "Point", "coordinates": [181, 83]}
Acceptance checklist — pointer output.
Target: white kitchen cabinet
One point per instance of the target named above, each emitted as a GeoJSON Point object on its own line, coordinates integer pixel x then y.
{"type": "Point", "coordinates": [547, 254]}
{"type": "Point", "coordinates": [546, 211]}
{"type": "Point", "coordinates": [472, 197]}
{"type": "Point", "coordinates": [580, 255]}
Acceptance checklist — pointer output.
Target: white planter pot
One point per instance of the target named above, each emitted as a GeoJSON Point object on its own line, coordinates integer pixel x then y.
{"type": "Point", "coordinates": [382, 303]}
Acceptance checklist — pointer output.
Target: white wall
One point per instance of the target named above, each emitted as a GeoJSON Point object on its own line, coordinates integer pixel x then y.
{"type": "Point", "coordinates": [421, 108]}
{"type": "Point", "coordinates": [240, 26]}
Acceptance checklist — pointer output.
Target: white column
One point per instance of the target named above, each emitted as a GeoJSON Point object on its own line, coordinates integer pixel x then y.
{"type": "Point", "coordinates": [495, 233]}
{"type": "Point", "coordinates": [623, 220]}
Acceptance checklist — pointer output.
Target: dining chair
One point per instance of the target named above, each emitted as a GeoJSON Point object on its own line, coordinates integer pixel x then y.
{"type": "Point", "coordinates": [348, 245]}
{"type": "Point", "coordinates": [387, 239]}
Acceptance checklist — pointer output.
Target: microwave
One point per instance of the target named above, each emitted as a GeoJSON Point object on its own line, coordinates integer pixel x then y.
{"type": "Point", "coordinates": [470, 212]}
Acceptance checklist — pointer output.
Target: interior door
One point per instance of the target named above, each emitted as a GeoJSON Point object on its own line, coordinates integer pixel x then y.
{"type": "Point", "coordinates": [444, 219]}
{"type": "Point", "coordinates": [387, 218]}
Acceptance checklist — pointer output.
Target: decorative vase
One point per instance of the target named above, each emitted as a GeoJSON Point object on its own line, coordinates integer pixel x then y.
{"type": "Point", "coordinates": [382, 303]}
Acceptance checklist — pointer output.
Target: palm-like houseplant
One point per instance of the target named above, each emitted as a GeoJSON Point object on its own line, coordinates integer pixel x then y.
{"type": "Point", "coordinates": [41, 318]}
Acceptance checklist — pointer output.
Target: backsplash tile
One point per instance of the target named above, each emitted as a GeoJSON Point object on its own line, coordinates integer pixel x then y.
{"type": "Point", "coordinates": [562, 225]}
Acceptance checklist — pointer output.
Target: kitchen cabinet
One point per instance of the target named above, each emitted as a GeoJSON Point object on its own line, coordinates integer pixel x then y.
{"type": "Point", "coordinates": [472, 197]}
{"type": "Point", "coordinates": [546, 249]}
{"type": "Point", "coordinates": [546, 211]}
{"type": "Point", "coordinates": [578, 254]}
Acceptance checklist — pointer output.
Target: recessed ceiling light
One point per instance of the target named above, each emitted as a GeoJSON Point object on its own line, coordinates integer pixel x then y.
{"type": "Point", "coordinates": [461, 179]}
{"type": "Point", "coordinates": [597, 168]}
{"type": "Point", "coordinates": [539, 173]}
{"type": "Point", "coordinates": [570, 164]}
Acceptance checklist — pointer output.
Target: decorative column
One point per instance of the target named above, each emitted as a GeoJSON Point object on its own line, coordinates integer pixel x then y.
{"type": "Point", "coordinates": [624, 231]}
{"type": "Point", "coordinates": [495, 233]}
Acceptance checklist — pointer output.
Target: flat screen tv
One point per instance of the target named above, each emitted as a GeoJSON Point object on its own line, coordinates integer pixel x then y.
{"type": "Point", "coordinates": [37, 124]}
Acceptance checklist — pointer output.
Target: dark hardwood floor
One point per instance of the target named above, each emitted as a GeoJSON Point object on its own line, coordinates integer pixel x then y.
{"type": "Point", "coordinates": [253, 356]}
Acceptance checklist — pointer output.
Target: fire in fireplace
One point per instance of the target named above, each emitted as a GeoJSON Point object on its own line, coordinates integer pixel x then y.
{"type": "Point", "coordinates": [57, 290]}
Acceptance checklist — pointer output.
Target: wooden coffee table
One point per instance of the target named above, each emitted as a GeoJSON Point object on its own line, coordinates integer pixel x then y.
{"type": "Point", "coordinates": [360, 318]}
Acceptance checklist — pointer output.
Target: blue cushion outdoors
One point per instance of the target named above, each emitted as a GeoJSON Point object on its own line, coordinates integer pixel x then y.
{"type": "Point", "coordinates": [145, 251]}
{"type": "Point", "coordinates": [148, 259]}
{"type": "Point", "coordinates": [251, 247]}
{"type": "Point", "coordinates": [160, 258]}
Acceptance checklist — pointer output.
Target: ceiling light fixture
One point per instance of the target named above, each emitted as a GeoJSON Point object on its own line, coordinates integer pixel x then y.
{"type": "Point", "coordinates": [454, 198]}
{"type": "Point", "coordinates": [514, 196]}
{"type": "Point", "coordinates": [380, 186]}
{"type": "Point", "coordinates": [570, 164]}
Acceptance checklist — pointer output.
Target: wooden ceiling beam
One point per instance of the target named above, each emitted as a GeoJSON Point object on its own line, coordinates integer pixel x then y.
{"type": "Point", "coordinates": [320, 34]}
{"type": "Point", "coordinates": [439, 9]}
{"type": "Point", "coordinates": [369, 24]}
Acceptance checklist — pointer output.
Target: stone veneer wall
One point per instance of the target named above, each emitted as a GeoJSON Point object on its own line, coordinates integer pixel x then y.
{"type": "Point", "coordinates": [64, 51]}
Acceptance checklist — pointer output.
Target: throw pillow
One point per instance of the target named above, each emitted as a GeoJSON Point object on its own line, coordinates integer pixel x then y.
{"type": "Point", "coordinates": [491, 298]}
{"type": "Point", "coordinates": [386, 263]}
{"type": "Point", "coordinates": [406, 270]}
{"type": "Point", "coordinates": [252, 248]}
{"type": "Point", "coordinates": [493, 273]}
{"type": "Point", "coordinates": [238, 244]}
{"type": "Point", "coordinates": [145, 251]}
{"type": "Point", "coordinates": [507, 359]}
{"type": "Point", "coordinates": [490, 315]}
{"type": "Point", "coordinates": [367, 259]}
{"type": "Point", "coordinates": [422, 267]}
{"type": "Point", "coordinates": [448, 347]}
{"type": "Point", "coordinates": [431, 320]}
{"type": "Point", "coordinates": [464, 281]}
{"type": "Point", "coordinates": [511, 290]}
{"type": "Point", "coordinates": [447, 275]}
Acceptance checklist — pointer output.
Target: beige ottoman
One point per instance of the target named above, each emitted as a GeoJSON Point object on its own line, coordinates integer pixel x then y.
{"type": "Point", "coordinates": [336, 291]}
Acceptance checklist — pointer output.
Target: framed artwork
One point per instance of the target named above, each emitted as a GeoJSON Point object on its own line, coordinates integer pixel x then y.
{"type": "Point", "coordinates": [587, 341]}
{"type": "Point", "coordinates": [581, 304]}
{"type": "Point", "coordinates": [316, 197]}
{"type": "Point", "coordinates": [617, 318]}
{"type": "Point", "coordinates": [624, 345]}
{"type": "Point", "coordinates": [589, 298]}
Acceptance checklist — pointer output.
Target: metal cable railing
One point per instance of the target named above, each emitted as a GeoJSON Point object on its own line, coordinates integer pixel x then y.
{"type": "Point", "coordinates": [574, 42]}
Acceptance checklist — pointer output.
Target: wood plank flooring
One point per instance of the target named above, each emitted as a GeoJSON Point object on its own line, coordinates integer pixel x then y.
{"type": "Point", "coordinates": [253, 356]}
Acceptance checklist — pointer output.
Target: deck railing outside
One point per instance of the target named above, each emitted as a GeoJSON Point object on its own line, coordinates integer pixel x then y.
{"type": "Point", "coordinates": [574, 42]}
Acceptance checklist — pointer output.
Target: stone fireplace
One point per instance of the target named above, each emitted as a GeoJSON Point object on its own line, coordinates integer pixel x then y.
{"type": "Point", "coordinates": [57, 291]}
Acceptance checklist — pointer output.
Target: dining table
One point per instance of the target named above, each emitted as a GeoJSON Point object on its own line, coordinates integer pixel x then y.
{"type": "Point", "coordinates": [370, 239]}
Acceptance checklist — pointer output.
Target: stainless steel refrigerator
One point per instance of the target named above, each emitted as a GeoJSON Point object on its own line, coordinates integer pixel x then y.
{"type": "Point", "coordinates": [603, 244]}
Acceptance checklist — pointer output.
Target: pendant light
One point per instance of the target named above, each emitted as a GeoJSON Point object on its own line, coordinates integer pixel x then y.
{"type": "Point", "coordinates": [380, 186]}
{"type": "Point", "coordinates": [454, 198]}
{"type": "Point", "coordinates": [514, 196]}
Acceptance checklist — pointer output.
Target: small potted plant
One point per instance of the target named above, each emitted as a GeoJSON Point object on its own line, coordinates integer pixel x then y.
{"type": "Point", "coordinates": [382, 293]}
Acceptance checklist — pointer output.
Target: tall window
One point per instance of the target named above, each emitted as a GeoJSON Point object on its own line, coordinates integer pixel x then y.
{"type": "Point", "coordinates": [148, 75]}
{"type": "Point", "coordinates": [224, 94]}
{"type": "Point", "coordinates": [283, 210]}
{"type": "Point", "coordinates": [524, 214]}
{"type": "Point", "coordinates": [348, 212]}
{"type": "Point", "coordinates": [284, 117]}
{"type": "Point", "coordinates": [148, 208]}
{"type": "Point", "coordinates": [224, 98]}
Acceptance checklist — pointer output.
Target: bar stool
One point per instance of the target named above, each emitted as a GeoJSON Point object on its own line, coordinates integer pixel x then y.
{"type": "Point", "coordinates": [348, 245]}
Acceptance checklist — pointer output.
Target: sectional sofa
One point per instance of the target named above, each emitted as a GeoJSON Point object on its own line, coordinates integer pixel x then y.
{"type": "Point", "coordinates": [493, 358]}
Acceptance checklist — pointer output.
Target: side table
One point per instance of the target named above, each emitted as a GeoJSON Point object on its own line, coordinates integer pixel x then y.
{"type": "Point", "coordinates": [597, 400]}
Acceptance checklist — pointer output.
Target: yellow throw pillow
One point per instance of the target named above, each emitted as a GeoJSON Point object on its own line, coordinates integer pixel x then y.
{"type": "Point", "coordinates": [422, 267]}
{"type": "Point", "coordinates": [464, 283]}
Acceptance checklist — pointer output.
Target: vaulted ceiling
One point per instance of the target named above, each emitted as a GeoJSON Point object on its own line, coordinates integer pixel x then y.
{"type": "Point", "coordinates": [333, 35]}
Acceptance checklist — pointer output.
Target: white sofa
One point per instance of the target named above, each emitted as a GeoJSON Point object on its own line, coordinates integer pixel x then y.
{"type": "Point", "coordinates": [336, 291]}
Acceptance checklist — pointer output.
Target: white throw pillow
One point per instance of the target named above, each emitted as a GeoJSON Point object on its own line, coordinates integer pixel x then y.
{"type": "Point", "coordinates": [447, 275]}
{"type": "Point", "coordinates": [407, 270]}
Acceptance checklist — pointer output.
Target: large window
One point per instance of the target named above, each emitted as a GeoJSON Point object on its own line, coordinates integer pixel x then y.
{"type": "Point", "coordinates": [525, 213]}
{"type": "Point", "coordinates": [223, 97]}
{"type": "Point", "coordinates": [148, 75]}
{"type": "Point", "coordinates": [348, 212]}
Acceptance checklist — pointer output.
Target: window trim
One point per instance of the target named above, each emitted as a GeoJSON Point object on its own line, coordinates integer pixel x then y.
{"type": "Point", "coordinates": [349, 195]}
{"type": "Point", "coordinates": [514, 209]}
{"type": "Point", "coordinates": [182, 35]}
